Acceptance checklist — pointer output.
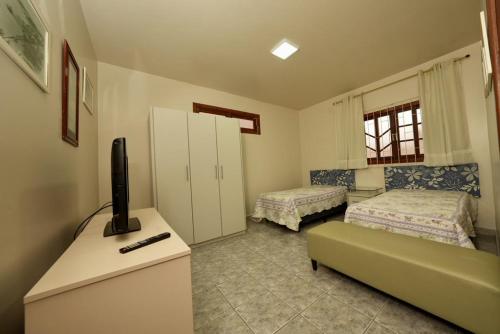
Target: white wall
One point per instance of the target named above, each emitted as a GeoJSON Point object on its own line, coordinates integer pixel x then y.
{"type": "Point", "coordinates": [495, 159]}
{"type": "Point", "coordinates": [271, 160]}
{"type": "Point", "coordinates": [494, 149]}
{"type": "Point", "coordinates": [316, 129]}
{"type": "Point", "coordinates": [47, 186]}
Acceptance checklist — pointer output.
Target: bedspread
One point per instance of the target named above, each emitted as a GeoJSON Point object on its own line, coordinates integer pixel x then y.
{"type": "Point", "coordinates": [289, 206]}
{"type": "Point", "coordinates": [444, 216]}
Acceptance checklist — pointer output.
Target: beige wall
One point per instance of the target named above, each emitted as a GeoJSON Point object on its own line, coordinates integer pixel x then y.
{"type": "Point", "coordinates": [317, 137]}
{"type": "Point", "coordinates": [494, 150]}
{"type": "Point", "coordinates": [47, 186]}
{"type": "Point", "coordinates": [495, 159]}
{"type": "Point", "coordinates": [271, 160]}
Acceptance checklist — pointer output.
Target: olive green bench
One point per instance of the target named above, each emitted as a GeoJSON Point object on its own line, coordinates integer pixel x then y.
{"type": "Point", "coordinates": [457, 284]}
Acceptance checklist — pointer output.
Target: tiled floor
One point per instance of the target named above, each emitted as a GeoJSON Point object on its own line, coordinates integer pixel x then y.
{"type": "Point", "coordinates": [262, 282]}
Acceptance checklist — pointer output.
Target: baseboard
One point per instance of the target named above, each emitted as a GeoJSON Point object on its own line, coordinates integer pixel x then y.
{"type": "Point", "coordinates": [218, 239]}
{"type": "Point", "coordinates": [485, 231]}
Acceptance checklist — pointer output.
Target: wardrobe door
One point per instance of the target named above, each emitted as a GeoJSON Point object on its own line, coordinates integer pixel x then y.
{"type": "Point", "coordinates": [170, 148]}
{"type": "Point", "coordinates": [232, 198]}
{"type": "Point", "coordinates": [204, 177]}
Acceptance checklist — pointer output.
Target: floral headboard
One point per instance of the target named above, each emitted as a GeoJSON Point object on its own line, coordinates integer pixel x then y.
{"type": "Point", "coordinates": [334, 177]}
{"type": "Point", "coordinates": [456, 178]}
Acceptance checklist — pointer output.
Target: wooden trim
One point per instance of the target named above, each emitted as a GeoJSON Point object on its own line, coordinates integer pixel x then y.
{"type": "Point", "coordinates": [415, 131]}
{"type": "Point", "coordinates": [208, 109]}
{"type": "Point", "coordinates": [67, 57]}
{"type": "Point", "coordinates": [394, 135]}
{"type": "Point", "coordinates": [396, 157]}
{"type": "Point", "coordinates": [493, 11]}
{"type": "Point", "coordinates": [390, 160]}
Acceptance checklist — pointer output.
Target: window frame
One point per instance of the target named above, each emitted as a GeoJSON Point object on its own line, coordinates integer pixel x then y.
{"type": "Point", "coordinates": [396, 156]}
{"type": "Point", "coordinates": [231, 113]}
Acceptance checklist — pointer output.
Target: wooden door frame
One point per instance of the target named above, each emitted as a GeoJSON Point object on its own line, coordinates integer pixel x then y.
{"type": "Point", "coordinates": [493, 9]}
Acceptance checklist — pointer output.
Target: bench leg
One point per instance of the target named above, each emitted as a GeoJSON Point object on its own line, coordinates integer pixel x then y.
{"type": "Point", "coordinates": [314, 264]}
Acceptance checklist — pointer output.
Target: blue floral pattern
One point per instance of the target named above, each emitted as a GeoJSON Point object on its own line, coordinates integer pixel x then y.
{"type": "Point", "coordinates": [334, 177]}
{"type": "Point", "coordinates": [455, 178]}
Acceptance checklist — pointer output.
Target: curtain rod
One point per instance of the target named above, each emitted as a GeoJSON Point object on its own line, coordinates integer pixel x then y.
{"type": "Point", "coordinates": [399, 80]}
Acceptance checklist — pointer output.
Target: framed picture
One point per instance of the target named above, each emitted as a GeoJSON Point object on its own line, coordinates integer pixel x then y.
{"type": "Point", "coordinates": [88, 92]}
{"type": "Point", "coordinates": [25, 38]}
{"type": "Point", "coordinates": [70, 96]}
{"type": "Point", "coordinates": [485, 53]}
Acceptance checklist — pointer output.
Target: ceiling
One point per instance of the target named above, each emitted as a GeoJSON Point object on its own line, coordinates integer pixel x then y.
{"type": "Point", "coordinates": [225, 44]}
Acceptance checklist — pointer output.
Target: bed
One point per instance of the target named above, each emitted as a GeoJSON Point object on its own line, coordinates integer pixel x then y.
{"type": "Point", "coordinates": [292, 207]}
{"type": "Point", "coordinates": [434, 203]}
{"type": "Point", "coordinates": [444, 216]}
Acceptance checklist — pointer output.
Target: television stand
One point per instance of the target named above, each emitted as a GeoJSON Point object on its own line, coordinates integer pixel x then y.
{"type": "Point", "coordinates": [133, 225]}
{"type": "Point", "coordinates": [93, 288]}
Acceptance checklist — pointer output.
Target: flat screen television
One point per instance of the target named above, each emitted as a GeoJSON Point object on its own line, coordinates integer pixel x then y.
{"type": "Point", "coordinates": [120, 222]}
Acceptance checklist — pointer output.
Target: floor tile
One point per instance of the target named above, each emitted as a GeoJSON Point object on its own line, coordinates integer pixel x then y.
{"type": "Point", "coordinates": [227, 324]}
{"type": "Point", "coordinates": [271, 275]}
{"type": "Point", "coordinates": [296, 292]}
{"type": "Point", "coordinates": [324, 278]}
{"type": "Point", "coordinates": [209, 305]}
{"type": "Point", "coordinates": [299, 325]}
{"type": "Point", "coordinates": [359, 296]}
{"type": "Point", "coordinates": [376, 328]}
{"type": "Point", "coordinates": [405, 319]}
{"type": "Point", "coordinates": [265, 314]}
{"type": "Point", "coordinates": [240, 290]}
{"type": "Point", "coordinates": [206, 280]}
{"type": "Point", "coordinates": [332, 316]}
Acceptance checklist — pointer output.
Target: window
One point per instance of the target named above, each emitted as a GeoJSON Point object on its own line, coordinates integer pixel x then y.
{"type": "Point", "coordinates": [394, 135]}
{"type": "Point", "coordinates": [249, 123]}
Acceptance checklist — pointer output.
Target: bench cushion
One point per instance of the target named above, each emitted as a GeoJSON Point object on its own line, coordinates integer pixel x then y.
{"type": "Point", "coordinates": [458, 284]}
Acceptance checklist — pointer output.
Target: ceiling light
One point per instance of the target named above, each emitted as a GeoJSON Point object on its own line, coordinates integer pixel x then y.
{"type": "Point", "coordinates": [284, 49]}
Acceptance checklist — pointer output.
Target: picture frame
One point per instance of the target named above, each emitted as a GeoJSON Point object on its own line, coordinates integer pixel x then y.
{"type": "Point", "coordinates": [70, 96]}
{"type": "Point", "coordinates": [25, 38]}
{"type": "Point", "coordinates": [88, 92]}
{"type": "Point", "coordinates": [487, 71]}
{"type": "Point", "coordinates": [486, 58]}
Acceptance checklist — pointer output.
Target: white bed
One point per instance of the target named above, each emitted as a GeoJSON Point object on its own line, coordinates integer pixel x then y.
{"type": "Point", "coordinates": [443, 216]}
{"type": "Point", "coordinates": [289, 206]}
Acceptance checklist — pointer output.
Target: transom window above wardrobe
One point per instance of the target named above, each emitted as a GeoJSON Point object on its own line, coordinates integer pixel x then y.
{"type": "Point", "coordinates": [394, 134]}
{"type": "Point", "coordinates": [249, 123]}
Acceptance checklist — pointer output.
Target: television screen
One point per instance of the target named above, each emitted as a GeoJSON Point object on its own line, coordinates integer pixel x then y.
{"type": "Point", "coordinates": [120, 223]}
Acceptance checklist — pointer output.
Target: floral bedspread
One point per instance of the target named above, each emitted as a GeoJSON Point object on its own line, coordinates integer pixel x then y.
{"type": "Point", "coordinates": [289, 206]}
{"type": "Point", "coordinates": [444, 216]}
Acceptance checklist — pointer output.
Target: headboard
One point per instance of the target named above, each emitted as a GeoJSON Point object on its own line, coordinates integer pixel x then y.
{"type": "Point", "coordinates": [334, 177]}
{"type": "Point", "coordinates": [456, 178]}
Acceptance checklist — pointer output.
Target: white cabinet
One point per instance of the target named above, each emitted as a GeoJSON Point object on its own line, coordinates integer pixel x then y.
{"type": "Point", "coordinates": [204, 177]}
{"type": "Point", "coordinates": [361, 194]}
{"type": "Point", "coordinates": [202, 180]}
{"type": "Point", "coordinates": [92, 288]}
{"type": "Point", "coordinates": [171, 176]}
{"type": "Point", "coordinates": [230, 175]}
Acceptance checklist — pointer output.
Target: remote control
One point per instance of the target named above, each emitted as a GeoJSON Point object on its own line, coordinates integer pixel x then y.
{"type": "Point", "coordinates": [144, 242]}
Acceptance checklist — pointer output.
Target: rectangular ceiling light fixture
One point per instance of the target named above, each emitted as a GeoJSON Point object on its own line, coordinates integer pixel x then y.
{"type": "Point", "coordinates": [284, 49]}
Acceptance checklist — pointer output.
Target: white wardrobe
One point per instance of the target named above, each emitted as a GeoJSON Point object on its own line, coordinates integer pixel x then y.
{"type": "Point", "coordinates": [197, 173]}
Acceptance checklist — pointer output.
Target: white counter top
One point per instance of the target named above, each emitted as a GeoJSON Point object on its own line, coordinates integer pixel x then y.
{"type": "Point", "coordinates": [92, 258]}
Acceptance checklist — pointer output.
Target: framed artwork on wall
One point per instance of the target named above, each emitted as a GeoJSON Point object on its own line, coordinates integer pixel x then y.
{"type": "Point", "coordinates": [88, 92]}
{"type": "Point", "coordinates": [70, 96]}
{"type": "Point", "coordinates": [486, 58]}
{"type": "Point", "coordinates": [25, 38]}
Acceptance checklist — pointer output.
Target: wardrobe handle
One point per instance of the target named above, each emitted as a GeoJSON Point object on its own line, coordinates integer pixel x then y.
{"type": "Point", "coordinates": [216, 172]}
{"type": "Point", "coordinates": [187, 173]}
{"type": "Point", "coordinates": [221, 172]}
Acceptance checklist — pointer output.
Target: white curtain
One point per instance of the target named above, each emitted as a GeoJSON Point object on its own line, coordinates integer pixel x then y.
{"type": "Point", "coordinates": [349, 132]}
{"type": "Point", "coordinates": [444, 121]}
